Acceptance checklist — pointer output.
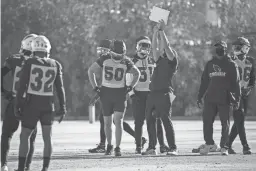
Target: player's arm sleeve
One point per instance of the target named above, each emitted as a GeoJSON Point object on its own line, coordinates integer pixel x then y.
{"type": "Point", "coordinates": [4, 71]}
{"type": "Point", "coordinates": [235, 85]}
{"type": "Point", "coordinates": [23, 82]}
{"type": "Point", "coordinates": [252, 76]}
{"type": "Point", "coordinates": [131, 68]}
{"type": "Point", "coordinates": [59, 85]}
{"type": "Point", "coordinates": [155, 48]}
{"type": "Point", "coordinates": [95, 71]}
{"type": "Point", "coordinates": [204, 82]}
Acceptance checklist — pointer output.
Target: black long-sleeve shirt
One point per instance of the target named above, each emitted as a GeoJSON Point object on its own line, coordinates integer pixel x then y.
{"type": "Point", "coordinates": [220, 80]}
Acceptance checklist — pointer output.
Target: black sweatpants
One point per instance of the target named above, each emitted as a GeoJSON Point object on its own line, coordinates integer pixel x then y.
{"type": "Point", "coordinates": [160, 103]}
{"type": "Point", "coordinates": [9, 127]}
{"type": "Point", "coordinates": [209, 113]}
{"type": "Point", "coordinates": [127, 128]}
{"type": "Point", "coordinates": [238, 127]}
{"type": "Point", "coordinates": [139, 108]}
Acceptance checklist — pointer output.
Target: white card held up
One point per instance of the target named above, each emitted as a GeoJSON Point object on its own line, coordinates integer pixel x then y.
{"type": "Point", "coordinates": [158, 14]}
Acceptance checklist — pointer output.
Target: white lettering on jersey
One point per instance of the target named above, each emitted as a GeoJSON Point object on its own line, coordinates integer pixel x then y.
{"type": "Point", "coordinates": [244, 71]}
{"type": "Point", "coordinates": [41, 80]}
{"type": "Point", "coordinates": [113, 74]}
{"type": "Point", "coordinates": [146, 70]}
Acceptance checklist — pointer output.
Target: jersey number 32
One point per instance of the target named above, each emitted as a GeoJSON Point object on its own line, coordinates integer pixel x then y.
{"type": "Point", "coordinates": [42, 80]}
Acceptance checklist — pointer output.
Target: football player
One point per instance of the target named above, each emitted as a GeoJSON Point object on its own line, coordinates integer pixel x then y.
{"type": "Point", "coordinates": [161, 93]}
{"type": "Point", "coordinates": [220, 86]}
{"type": "Point", "coordinates": [10, 122]}
{"type": "Point", "coordinates": [146, 65]}
{"type": "Point", "coordinates": [104, 49]}
{"type": "Point", "coordinates": [113, 68]}
{"type": "Point", "coordinates": [39, 75]}
{"type": "Point", "coordinates": [245, 64]}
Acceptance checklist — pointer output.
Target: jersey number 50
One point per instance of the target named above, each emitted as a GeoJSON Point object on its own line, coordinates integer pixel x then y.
{"type": "Point", "coordinates": [113, 73]}
{"type": "Point", "coordinates": [41, 80]}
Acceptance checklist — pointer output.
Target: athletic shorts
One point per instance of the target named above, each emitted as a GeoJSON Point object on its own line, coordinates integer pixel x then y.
{"type": "Point", "coordinates": [113, 100]}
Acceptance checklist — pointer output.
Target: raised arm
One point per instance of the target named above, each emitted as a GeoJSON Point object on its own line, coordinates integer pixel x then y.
{"type": "Point", "coordinates": [171, 54]}
{"type": "Point", "coordinates": [155, 48]}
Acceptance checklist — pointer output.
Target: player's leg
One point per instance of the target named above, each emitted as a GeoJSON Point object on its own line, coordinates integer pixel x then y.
{"type": "Point", "coordinates": [209, 114]}
{"type": "Point", "coordinates": [151, 126]}
{"type": "Point", "coordinates": [239, 120]}
{"type": "Point", "coordinates": [29, 121]}
{"type": "Point", "coordinates": [101, 146]}
{"type": "Point", "coordinates": [160, 136]}
{"type": "Point", "coordinates": [224, 113]}
{"type": "Point", "coordinates": [107, 108]}
{"type": "Point", "coordinates": [119, 111]}
{"type": "Point", "coordinates": [232, 137]}
{"type": "Point", "coordinates": [31, 149]}
{"type": "Point", "coordinates": [164, 108]}
{"type": "Point", "coordinates": [138, 107]}
{"type": "Point", "coordinates": [46, 119]}
{"type": "Point", "coordinates": [9, 126]}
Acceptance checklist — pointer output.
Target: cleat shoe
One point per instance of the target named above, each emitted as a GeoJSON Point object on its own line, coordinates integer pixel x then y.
{"type": "Point", "coordinates": [109, 150]}
{"type": "Point", "coordinates": [27, 169]}
{"type": "Point", "coordinates": [150, 151]}
{"type": "Point", "coordinates": [247, 150]}
{"type": "Point", "coordinates": [4, 168]}
{"type": "Point", "coordinates": [231, 151]}
{"type": "Point", "coordinates": [172, 152]}
{"type": "Point", "coordinates": [204, 149]}
{"type": "Point", "coordinates": [118, 152]}
{"type": "Point", "coordinates": [99, 149]}
{"type": "Point", "coordinates": [138, 150]}
{"type": "Point", "coordinates": [212, 148]}
{"type": "Point", "coordinates": [143, 142]}
{"type": "Point", "coordinates": [164, 149]}
{"type": "Point", "coordinates": [224, 152]}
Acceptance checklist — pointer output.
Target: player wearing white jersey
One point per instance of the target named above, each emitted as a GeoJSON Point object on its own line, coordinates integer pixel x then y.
{"type": "Point", "coordinates": [146, 65]}
{"type": "Point", "coordinates": [246, 68]}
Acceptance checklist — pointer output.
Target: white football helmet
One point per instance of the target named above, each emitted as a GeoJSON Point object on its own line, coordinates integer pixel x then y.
{"type": "Point", "coordinates": [26, 42]}
{"type": "Point", "coordinates": [41, 44]}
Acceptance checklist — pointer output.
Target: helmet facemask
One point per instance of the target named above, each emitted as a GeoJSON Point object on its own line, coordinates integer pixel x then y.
{"type": "Point", "coordinates": [143, 48]}
{"type": "Point", "coordinates": [240, 51]}
{"type": "Point", "coordinates": [102, 51]}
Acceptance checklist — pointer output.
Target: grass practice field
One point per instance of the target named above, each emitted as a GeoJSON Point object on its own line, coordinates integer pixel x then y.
{"type": "Point", "coordinates": [72, 139]}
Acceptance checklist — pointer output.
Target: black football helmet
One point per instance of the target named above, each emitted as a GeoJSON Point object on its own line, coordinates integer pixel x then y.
{"type": "Point", "coordinates": [104, 47]}
{"type": "Point", "coordinates": [117, 50]}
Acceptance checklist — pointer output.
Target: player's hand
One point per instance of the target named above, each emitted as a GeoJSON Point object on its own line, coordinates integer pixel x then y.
{"type": "Point", "coordinates": [17, 113]}
{"type": "Point", "coordinates": [161, 25]}
{"type": "Point", "coordinates": [96, 89]}
{"type": "Point", "coordinates": [246, 91]}
{"type": "Point", "coordinates": [199, 103]}
{"type": "Point", "coordinates": [156, 28]}
{"type": "Point", "coordinates": [61, 113]}
{"type": "Point", "coordinates": [128, 89]}
{"type": "Point", "coordinates": [236, 106]}
{"type": "Point", "coordinates": [7, 95]}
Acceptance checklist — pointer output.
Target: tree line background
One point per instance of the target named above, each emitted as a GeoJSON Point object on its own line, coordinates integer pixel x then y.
{"type": "Point", "coordinates": [75, 27]}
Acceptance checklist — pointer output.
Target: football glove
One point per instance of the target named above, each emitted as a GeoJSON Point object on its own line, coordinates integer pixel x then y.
{"type": "Point", "coordinates": [246, 91]}
{"type": "Point", "coordinates": [61, 113]}
{"type": "Point", "coordinates": [18, 113]}
{"type": "Point", "coordinates": [96, 89]}
{"type": "Point", "coordinates": [128, 89]}
{"type": "Point", "coordinates": [94, 99]}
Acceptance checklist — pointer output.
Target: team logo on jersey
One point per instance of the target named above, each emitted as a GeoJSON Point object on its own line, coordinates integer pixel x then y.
{"type": "Point", "coordinates": [217, 72]}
